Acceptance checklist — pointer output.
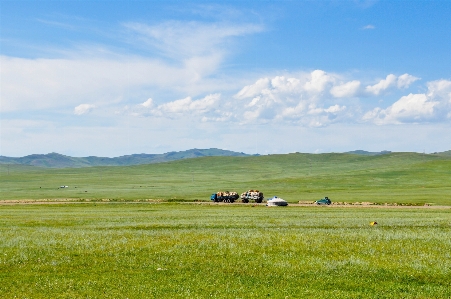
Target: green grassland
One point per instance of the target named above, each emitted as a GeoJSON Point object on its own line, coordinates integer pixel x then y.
{"type": "Point", "coordinates": [181, 250]}
{"type": "Point", "coordinates": [397, 177]}
{"type": "Point", "coordinates": [118, 240]}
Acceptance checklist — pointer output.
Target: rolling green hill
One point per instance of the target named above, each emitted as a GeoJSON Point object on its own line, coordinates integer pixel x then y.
{"type": "Point", "coordinates": [55, 160]}
{"type": "Point", "coordinates": [446, 153]}
{"type": "Point", "coordinates": [365, 153]}
{"type": "Point", "coordinates": [395, 177]}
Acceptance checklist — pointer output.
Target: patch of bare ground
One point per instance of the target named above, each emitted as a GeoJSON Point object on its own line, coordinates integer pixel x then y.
{"type": "Point", "coordinates": [70, 201]}
{"type": "Point", "coordinates": [372, 205]}
{"type": "Point", "coordinates": [299, 204]}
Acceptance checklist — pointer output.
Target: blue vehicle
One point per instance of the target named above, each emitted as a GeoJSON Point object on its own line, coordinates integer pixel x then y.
{"type": "Point", "coordinates": [323, 201]}
{"type": "Point", "coordinates": [224, 196]}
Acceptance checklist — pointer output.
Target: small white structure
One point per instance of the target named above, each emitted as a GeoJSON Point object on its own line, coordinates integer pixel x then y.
{"type": "Point", "coordinates": [275, 201]}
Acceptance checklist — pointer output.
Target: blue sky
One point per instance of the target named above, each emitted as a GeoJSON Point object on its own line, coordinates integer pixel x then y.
{"type": "Point", "coordinates": [110, 78]}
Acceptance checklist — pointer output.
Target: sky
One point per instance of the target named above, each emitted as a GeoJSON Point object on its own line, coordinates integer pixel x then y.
{"type": "Point", "coordinates": [112, 78]}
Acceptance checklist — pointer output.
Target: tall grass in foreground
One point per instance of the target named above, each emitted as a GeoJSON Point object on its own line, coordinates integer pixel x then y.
{"type": "Point", "coordinates": [212, 251]}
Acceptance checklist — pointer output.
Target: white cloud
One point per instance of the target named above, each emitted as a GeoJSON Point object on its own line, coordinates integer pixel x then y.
{"type": "Point", "coordinates": [254, 89]}
{"type": "Point", "coordinates": [105, 77]}
{"type": "Point", "coordinates": [391, 81]}
{"type": "Point", "coordinates": [405, 80]}
{"type": "Point", "coordinates": [306, 100]}
{"type": "Point", "coordinates": [148, 103]}
{"type": "Point", "coordinates": [42, 83]}
{"type": "Point", "coordinates": [302, 99]}
{"type": "Point", "coordinates": [383, 85]}
{"type": "Point", "coordinates": [369, 26]}
{"type": "Point", "coordinates": [205, 108]}
{"type": "Point", "coordinates": [440, 89]}
{"type": "Point", "coordinates": [187, 105]}
{"type": "Point", "coordinates": [286, 85]}
{"type": "Point", "coordinates": [412, 108]}
{"type": "Point", "coordinates": [319, 80]}
{"type": "Point", "coordinates": [335, 109]}
{"type": "Point", "coordinates": [433, 106]}
{"type": "Point", "coordinates": [346, 90]}
{"type": "Point", "coordinates": [181, 40]}
{"type": "Point", "coordinates": [83, 109]}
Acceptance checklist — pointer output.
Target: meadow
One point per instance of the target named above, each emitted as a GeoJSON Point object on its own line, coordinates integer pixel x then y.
{"type": "Point", "coordinates": [149, 231]}
{"type": "Point", "coordinates": [180, 250]}
{"type": "Point", "coordinates": [398, 177]}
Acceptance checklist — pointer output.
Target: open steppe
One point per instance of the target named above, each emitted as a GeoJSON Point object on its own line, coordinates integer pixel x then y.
{"type": "Point", "coordinates": [150, 231]}
{"type": "Point", "coordinates": [403, 178]}
{"type": "Point", "coordinates": [181, 250]}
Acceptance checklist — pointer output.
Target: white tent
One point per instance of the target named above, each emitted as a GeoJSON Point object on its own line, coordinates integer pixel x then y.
{"type": "Point", "coordinates": [275, 201]}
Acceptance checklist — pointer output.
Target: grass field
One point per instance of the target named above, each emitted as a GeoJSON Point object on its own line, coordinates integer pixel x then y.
{"type": "Point", "coordinates": [178, 250]}
{"type": "Point", "coordinates": [116, 240]}
{"type": "Point", "coordinates": [397, 177]}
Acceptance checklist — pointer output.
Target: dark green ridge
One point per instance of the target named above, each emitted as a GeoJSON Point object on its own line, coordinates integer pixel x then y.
{"type": "Point", "coordinates": [55, 160]}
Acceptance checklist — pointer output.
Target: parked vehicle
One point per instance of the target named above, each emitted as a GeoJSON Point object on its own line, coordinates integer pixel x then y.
{"type": "Point", "coordinates": [224, 196]}
{"type": "Point", "coordinates": [323, 201]}
{"type": "Point", "coordinates": [252, 195]}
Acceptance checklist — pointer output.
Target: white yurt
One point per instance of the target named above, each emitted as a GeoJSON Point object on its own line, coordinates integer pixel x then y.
{"type": "Point", "coordinates": [276, 201]}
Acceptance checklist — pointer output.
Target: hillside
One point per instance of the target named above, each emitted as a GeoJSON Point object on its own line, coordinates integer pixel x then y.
{"type": "Point", "coordinates": [365, 153]}
{"type": "Point", "coordinates": [446, 153]}
{"type": "Point", "coordinates": [55, 160]}
{"type": "Point", "coordinates": [395, 177]}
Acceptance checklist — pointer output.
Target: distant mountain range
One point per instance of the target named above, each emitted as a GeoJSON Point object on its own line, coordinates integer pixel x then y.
{"type": "Point", "coordinates": [365, 153]}
{"type": "Point", "coordinates": [55, 160]}
{"type": "Point", "coordinates": [447, 153]}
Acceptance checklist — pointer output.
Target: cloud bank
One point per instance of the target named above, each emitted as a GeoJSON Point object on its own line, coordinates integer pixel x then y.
{"type": "Point", "coordinates": [314, 99]}
{"type": "Point", "coordinates": [179, 81]}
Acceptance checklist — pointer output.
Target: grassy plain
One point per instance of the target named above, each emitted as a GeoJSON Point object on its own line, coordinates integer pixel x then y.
{"type": "Point", "coordinates": [112, 247]}
{"type": "Point", "coordinates": [179, 250]}
{"type": "Point", "coordinates": [397, 177]}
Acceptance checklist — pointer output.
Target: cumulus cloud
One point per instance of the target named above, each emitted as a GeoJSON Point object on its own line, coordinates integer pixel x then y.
{"type": "Point", "coordinates": [391, 81]}
{"type": "Point", "coordinates": [299, 99]}
{"type": "Point", "coordinates": [318, 82]}
{"type": "Point", "coordinates": [205, 109]}
{"type": "Point", "coordinates": [408, 109]}
{"type": "Point", "coordinates": [148, 103]}
{"type": "Point", "coordinates": [405, 80]}
{"type": "Point", "coordinates": [383, 84]}
{"type": "Point", "coordinates": [254, 89]}
{"type": "Point", "coordinates": [346, 90]}
{"type": "Point", "coordinates": [83, 109]}
{"type": "Point", "coordinates": [440, 89]}
{"type": "Point", "coordinates": [319, 98]}
{"type": "Point", "coordinates": [312, 99]}
{"type": "Point", "coordinates": [435, 105]}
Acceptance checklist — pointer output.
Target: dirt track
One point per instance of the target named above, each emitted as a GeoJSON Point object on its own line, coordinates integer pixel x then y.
{"type": "Point", "coordinates": [373, 206]}
{"type": "Point", "coordinates": [300, 204]}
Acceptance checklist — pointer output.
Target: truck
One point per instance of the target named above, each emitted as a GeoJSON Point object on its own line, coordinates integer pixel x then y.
{"type": "Point", "coordinates": [252, 195]}
{"type": "Point", "coordinates": [323, 201]}
{"type": "Point", "coordinates": [225, 196]}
